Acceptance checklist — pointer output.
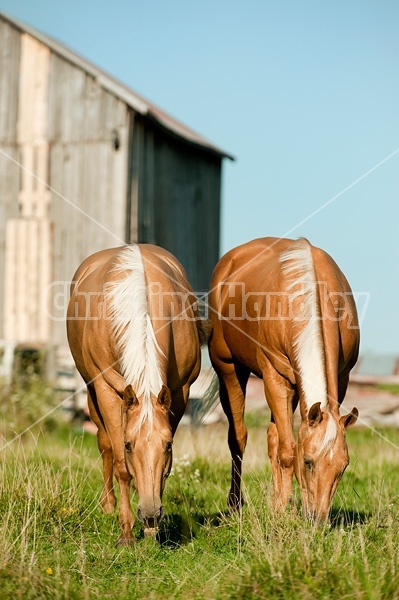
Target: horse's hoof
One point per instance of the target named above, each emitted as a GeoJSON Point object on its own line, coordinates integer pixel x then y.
{"type": "Point", "coordinates": [122, 541]}
{"type": "Point", "coordinates": [235, 504]}
{"type": "Point", "coordinates": [108, 509]}
{"type": "Point", "coordinates": [108, 504]}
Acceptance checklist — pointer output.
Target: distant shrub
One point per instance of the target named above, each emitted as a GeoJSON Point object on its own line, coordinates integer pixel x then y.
{"type": "Point", "coordinates": [393, 388]}
{"type": "Point", "coordinates": [26, 403]}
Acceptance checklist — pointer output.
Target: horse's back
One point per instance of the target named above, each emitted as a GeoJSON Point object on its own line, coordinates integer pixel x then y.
{"type": "Point", "coordinates": [96, 269]}
{"type": "Point", "coordinates": [166, 258]}
{"type": "Point", "coordinates": [89, 330]}
{"type": "Point", "coordinates": [251, 278]}
{"type": "Point", "coordinates": [339, 319]}
{"type": "Point", "coordinates": [240, 281]}
{"type": "Point", "coordinates": [92, 340]}
{"type": "Point", "coordinates": [248, 258]}
{"type": "Point", "coordinates": [174, 313]}
{"type": "Point", "coordinates": [93, 263]}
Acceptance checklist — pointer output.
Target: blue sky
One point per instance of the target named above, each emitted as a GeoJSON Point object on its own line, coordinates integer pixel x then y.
{"type": "Point", "coordinates": [304, 94]}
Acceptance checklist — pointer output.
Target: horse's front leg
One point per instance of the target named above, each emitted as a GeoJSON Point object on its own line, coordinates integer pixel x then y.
{"type": "Point", "coordinates": [108, 498]}
{"type": "Point", "coordinates": [281, 442]}
{"type": "Point", "coordinates": [126, 518]}
{"type": "Point", "coordinates": [110, 407]}
{"type": "Point", "coordinates": [282, 470]}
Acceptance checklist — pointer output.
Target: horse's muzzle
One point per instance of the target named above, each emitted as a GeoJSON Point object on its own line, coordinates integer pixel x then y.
{"type": "Point", "coordinates": [150, 520]}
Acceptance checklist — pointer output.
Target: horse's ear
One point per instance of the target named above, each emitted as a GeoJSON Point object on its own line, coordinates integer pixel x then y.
{"type": "Point", "coordinates": [315, 416]}
{"type": "Point", "coordinates": [165, 397]}
{"type": "Point", "coordinates": [349, 419]}
{"type": "Point", "coordinates": [129, 397]}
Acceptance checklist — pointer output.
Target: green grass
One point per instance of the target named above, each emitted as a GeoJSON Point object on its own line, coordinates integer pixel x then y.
{"type": "Point", "coordinates": [55, 542]}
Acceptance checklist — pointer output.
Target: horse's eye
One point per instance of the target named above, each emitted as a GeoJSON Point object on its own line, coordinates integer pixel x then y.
{"type": "Point", "coordinates": [128, 447]}
{"type": "Point", "coordinates": [309, 464]}
{"type": "Point", "coordinates": [168, 446]}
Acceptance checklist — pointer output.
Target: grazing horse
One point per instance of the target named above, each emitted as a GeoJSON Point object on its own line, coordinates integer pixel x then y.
{"type": "Point", "coordinates": [135, 336]}
{"type": "Point", "coordinates": [283, 310]}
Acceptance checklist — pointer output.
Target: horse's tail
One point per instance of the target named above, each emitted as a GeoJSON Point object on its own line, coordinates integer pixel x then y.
{"type": "Point", "coordinates": [204, 328]}
{"type": "Point", "coordinates": [210, 397]}
{"type": "Point", "coordinates": [204, 325]}
{"type": "Point", "coordinates": [304, 303]}
{"type": "Point", "coordinates": [209, 400]}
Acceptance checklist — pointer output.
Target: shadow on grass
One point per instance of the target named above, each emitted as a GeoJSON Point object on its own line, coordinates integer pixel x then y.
{"type": "Point", "coordinates": [341, 517]}
{"type": "Point", "coordinates": [178, 530]}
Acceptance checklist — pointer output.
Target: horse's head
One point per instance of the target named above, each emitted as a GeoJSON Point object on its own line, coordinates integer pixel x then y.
{"type": "Point", "coordinates": [321, 457]}
{"type": "Point", "coordinates": [148, 452]}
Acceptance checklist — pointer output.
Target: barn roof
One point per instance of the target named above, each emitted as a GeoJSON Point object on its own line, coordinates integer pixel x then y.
{"type": "Point", "coordinates": [122, 91]}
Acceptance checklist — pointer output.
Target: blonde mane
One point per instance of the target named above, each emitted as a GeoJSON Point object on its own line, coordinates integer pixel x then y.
{"type": "Point", "coordinates": [298, 267]}
{"type": "Point", "coordinates": [126, 299]}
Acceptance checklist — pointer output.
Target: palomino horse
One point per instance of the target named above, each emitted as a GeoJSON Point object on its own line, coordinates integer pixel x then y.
{"type": "Point", "coordinates": [135, 338]}
{"type": "Point", "coordinates": [283, 310]}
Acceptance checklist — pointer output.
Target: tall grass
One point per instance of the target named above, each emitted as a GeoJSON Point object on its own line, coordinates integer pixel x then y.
{"type": "Point", "coordinates": [24, 403]}
{"type": "Point", "coordinates": [55, 542]}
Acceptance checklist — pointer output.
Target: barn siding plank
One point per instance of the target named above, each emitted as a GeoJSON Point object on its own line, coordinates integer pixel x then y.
{"type": "Point", "coordinates": [187, 200]}
{"type": "Point", "coordinates": [132, 226]}
{"type": "Point", "coordinates": [9, 209]}
{"type": "Point", "coordinates": [9, 156]}
{"type": "Point", "coordinates": [9, 74]}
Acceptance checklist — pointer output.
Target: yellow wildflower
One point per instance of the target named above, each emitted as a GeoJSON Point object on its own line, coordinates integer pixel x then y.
{"type": "Point", "coordinates": [49, 571]}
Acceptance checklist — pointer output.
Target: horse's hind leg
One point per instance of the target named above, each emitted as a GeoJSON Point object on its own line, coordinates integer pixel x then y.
{"type": "Point", "coordinates": [232, 397]}
{"type": "Point", "coordinates": [108, 498]}
{"type": "Point", "coordinates": [281, 443]}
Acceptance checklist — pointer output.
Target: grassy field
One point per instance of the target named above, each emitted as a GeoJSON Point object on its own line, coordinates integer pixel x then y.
{"type": "Point", "coordinates": [55, 541]}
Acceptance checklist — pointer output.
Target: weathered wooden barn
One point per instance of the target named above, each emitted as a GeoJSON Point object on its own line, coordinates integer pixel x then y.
{"type": "Point", "coordinates": [86, 163]}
